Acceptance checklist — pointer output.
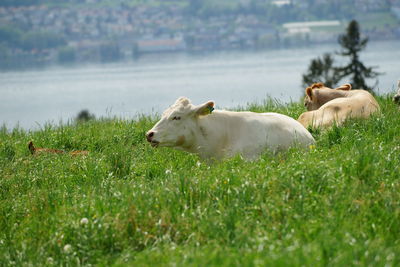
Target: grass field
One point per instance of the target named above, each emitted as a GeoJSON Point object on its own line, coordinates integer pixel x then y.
{"type": "Point", "coordinates": [130, 204]}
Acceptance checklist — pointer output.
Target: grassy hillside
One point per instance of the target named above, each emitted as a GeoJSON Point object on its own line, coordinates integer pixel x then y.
{"type": "Point", "coordinates": [127, 203]}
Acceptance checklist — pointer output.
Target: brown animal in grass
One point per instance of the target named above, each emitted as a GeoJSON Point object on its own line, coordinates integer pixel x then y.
{"type": "Point", "coordinates": [36, 150]}
{"type": "Point", "coordinates": [79, 153]}
{"type": "Point", "coordinates": [327, 106]}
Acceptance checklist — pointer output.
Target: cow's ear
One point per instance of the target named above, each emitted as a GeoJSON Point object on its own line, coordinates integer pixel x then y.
{"type": "Point", "coordinates": [317, 85]}
{"type": "Point", "coordinates": [398, 85]}
{"type": "Point", "coordinates": [309, 92]}
{"type": "Point", "coordinates": [344, 87]}
{"type": "Point", "coordinates": [204, 109]}
{"type": "Point", "coordinates": [183, 101]}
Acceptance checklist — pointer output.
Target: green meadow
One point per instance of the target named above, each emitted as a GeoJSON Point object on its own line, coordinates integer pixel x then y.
{"type": "Point", "coordinates": [128, 204]}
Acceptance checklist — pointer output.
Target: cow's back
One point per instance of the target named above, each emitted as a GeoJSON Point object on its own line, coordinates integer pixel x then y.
{"type": "Point", "coordinates": [285, 131]}
{"type": "Point", "coordinates": [250, 134]}
{"type": "Point", "coordinates": [359, 104]}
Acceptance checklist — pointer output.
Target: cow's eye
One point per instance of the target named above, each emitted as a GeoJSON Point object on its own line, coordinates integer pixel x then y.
{"type": "Point", "coordinates": [176, 118]}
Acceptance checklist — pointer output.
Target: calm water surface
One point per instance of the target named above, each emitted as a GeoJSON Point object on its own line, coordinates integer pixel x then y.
{"type": "Point", "coordinates": [148, 86]}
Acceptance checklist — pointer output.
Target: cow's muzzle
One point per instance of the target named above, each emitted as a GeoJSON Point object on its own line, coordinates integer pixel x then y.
{"type": "Point", "coordinates": [149, 138]}
{"type": "Point", "coordinates": [396, 99]}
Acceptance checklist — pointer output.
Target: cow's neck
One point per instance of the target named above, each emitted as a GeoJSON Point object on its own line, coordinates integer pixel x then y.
{"type": "Point", "coordinates": [212, 135]}
{"type": "Point", "coordinates": [324, 96]}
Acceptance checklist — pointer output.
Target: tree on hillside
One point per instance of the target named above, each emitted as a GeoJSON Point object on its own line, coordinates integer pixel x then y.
{"type": "Point", "coordinates": [321, 70]}
{"type": "Point", "coordinates": [10, 36]}
{"type": "Point", "coordinates": [42, 40]}
{"type": "Point", "coordinates": [84, 116]}
{"type": "Point", "coordinates": [194, 7]}
{"type": "Point", "coordinates": [20, 2]}
{"type": "Point", "coordinates": [66, 54]}
{"type": "Point", "coordinates": [352, 44]}
{"type": "Point", "coordinates": [110, 52]}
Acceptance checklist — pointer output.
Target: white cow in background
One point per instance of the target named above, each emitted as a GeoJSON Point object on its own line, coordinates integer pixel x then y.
{"type": "Point", "coordinates": [220, 134]}
{"type": "Point", "coordinates": [396, 98]}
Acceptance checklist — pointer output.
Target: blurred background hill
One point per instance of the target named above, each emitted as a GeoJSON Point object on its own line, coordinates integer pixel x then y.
{"type": "Point", "coordinates": [36, 32]}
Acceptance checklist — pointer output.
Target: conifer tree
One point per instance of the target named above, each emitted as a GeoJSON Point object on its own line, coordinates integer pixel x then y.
{"type": "Point", "coordinates": [321, 70]}
{"type": "Point", "coordinates": [352, 44]}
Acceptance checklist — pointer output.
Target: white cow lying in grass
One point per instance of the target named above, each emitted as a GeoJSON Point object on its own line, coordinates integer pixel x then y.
{"type": "Point", "coordinates": [220, 134]}
{"type": "Point", "coordinates": [396, 98]}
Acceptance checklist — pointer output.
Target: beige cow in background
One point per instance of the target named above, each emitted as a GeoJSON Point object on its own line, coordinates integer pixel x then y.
{"type": "Point", "coordinates": [327, 106]}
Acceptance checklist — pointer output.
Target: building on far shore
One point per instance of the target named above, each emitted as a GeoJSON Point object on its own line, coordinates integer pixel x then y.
{"type": "Point", "coordinates": [314, 31]}
{"type": "Point", "coordinates": [159, 45]}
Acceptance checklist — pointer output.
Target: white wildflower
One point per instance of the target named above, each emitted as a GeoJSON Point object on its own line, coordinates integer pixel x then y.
{"type": "Point", "coordinates": [67, 248]}
{"type": "Point", "coordinates": [84, 221]}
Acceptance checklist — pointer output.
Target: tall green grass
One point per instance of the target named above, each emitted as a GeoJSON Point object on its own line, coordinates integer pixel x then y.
{"type": "Point", "coordinates": [337, 205]}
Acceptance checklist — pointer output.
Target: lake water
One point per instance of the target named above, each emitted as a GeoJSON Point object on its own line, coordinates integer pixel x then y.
{"type": "Point", "coordinates": [148, 86]}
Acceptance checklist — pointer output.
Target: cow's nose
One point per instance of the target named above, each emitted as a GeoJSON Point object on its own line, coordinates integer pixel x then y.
{"type": "Point", "coordinates": [149, 136]}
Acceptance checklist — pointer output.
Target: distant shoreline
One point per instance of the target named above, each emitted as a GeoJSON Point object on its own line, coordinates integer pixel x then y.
{"type": "Point", "coordinates": [22, 63]}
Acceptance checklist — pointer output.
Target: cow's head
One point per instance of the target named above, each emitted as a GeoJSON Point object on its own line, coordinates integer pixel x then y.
{"type": "Point", "coordinates": [318, 94]}
{"type": "Point", "coordinates": [396, 98]}
{"type": "Point", "coordinates": [178, 124]}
